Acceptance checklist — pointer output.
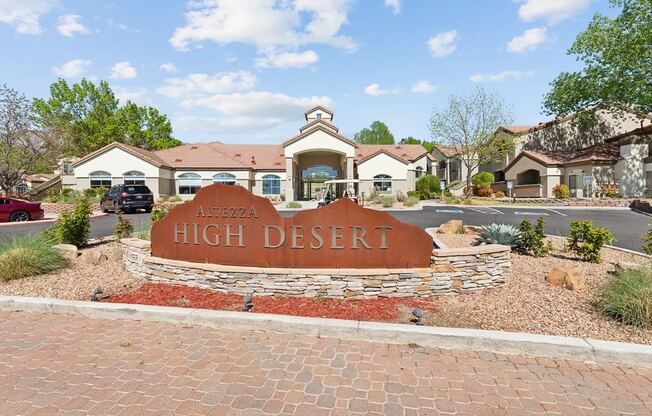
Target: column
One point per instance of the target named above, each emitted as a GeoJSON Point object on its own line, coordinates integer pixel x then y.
{"type": "Point", "coordinates": [349, 168]}
{"type": "Point", "coordinates": [289, 182]}
{"type": "Point", "coordinates": [448, 171]}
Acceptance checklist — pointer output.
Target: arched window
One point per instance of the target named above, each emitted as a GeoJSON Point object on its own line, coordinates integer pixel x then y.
{"type": "Point", "coordinates": [189, 183]}
{"type": "Point", "coordinates": [271, 185]}
{"type": "Point", "coordinates": [100, 179]}
{"type": "Point", "coordinates": [134, 177]}
{"type": "Point", "coordinates": [224, 178]}
{"type": "Point", "coordinates": [419, 172]}
{"type": "Point", "coordinates": [383, 183]}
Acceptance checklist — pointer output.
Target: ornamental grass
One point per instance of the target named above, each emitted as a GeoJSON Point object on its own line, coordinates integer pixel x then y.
{"type": "Point", "coordinates": [28, 255]}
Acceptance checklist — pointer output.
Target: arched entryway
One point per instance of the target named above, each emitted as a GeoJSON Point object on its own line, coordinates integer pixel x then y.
{"type": "Point", "coordinates": [313, 168]}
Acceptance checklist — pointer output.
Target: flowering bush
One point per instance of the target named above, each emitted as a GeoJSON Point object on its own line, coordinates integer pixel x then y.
{"type": "Point", "coordinates": [610, 191]}
{"type": "Point", "coordinates": [561, 191]}
{"type": "Point", "coordinates": [484, 191]}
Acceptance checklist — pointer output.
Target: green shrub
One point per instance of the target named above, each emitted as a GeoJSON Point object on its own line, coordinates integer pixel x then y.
{"type": "Point", "coordinates": [500, 234]}
{"type": "Point", "coordinates": [647, 238]}
{"type": "Point", "coordinates": [410, 201]}
{"type": "Point", "coordinates": [63, 196]}
{"type": "Point", "coordinates": [561, 191]}
{"type": "Point", "coordinates": [532, 238]}
{"type": "Point", "coordinates": [400, 196]}
{"type": "Point", "coordinates": [499, 194]}
{"type": "Point", "coordinates": [143, 231]}
{"type": "Point", "coordinates": [175, 198]}
{"type": "Point", "coordinates": [123, 228]}
{"type": "Point", "coordinates": [428, 184]}
{"type": "Point", "coordinates": [158, 214]}
{"type": "Point", "coordinates": [609, 191]}
{"type": "Point", "coordinates": [28, 255]}
{"type": "Point", "coordinates": [586, 240]}
{"type": "Point", "coordinates": [387, 201]}
{"type": "Point", "coordinates": [482, 179]}
{"type": "Point", "coordinates": [293, 204]}
{"type": "Point", "coordinates": [627, 297]}
{"type": "Point", "coordinates": [73, 227]}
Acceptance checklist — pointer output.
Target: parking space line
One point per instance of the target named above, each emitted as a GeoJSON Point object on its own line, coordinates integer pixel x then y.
{"type": "Point", "coordinates": [557, 212]}
{"type": "Point", "coordinates": [450, 211]}
{"type": "Point", "coordinates": [487, 210]}
{"type": "Point", "coordinates": [532, 213]}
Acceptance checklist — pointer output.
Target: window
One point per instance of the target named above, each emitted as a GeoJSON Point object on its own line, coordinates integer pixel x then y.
{"type": "Point", "coordinates": [271, 185]}
{"type": "Point", "coordinates": [100, 179]}
{"type": "Point", "coordinates": [419, 172]}
{"type": "Point", "coordinates": [22, 189]}
{"type": "Point", "coordinates": [224, 178]}
{"type": "Point", "coordinates": [133, 177]}
{"type": "Point", "coordinates": [318, 116]}
{"type": "Point", "coordinates": [67, 168]}
{"type": "Point", "coordinates": [5, 201]}
{"type": "Point", "coordinates": [383, 183]}
{"type": "Point", "coordinates": [189, 183]}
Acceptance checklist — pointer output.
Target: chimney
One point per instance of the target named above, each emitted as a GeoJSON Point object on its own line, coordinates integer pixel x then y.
{"type": "Point", "coordinates": [253, 160]}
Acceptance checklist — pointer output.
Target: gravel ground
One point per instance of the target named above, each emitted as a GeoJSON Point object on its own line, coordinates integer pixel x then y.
{"type": "Point", "coordinates": [78, 281]}
{"type": "Point", "coordinates": [529, 304]}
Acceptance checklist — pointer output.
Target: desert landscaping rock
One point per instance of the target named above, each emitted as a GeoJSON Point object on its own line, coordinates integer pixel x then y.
{"type": "Point", "coordinates": [67, 250]}
{"type": "Point", "coordinates": [94, 257]}
{"type": "Point", "coordinates": [452, 227]}
{"type": "Point", "coordinates": [568, 279]}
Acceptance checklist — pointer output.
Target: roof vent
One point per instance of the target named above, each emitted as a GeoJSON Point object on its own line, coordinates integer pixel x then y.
{"type": "Point", "coordinates": [253, 160]}
{"type": "Point", "coordinates": [178, 160]}
{"type": "Point", "coordinates": [237, 155]}
{"type": "Point", "coordinates": [404, 154]}
{"type": "Point", "coordinates": [398, 147]}
{"type": "Point", "coordinates": [193, 147]}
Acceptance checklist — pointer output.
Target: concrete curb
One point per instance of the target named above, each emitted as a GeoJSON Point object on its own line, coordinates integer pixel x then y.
{"type": "Point", "coordinates": [44, 221]}
{"type": "Point", "coordinates": [446, 338]}
{"type": "Point", "coordinates": [534, 206]}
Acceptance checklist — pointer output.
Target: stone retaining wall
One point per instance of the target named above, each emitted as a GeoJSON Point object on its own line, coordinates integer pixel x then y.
{"type": "Point", "coordinates": [453, 271]}
{"type": "Point", "coordinates": [57, 208]}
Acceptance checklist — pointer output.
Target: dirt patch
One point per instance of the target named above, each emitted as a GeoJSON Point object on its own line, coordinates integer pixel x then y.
{"type": "Point", "coordinates": [78, 281]}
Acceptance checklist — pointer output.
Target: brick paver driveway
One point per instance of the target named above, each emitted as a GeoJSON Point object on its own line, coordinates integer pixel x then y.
{"type": "Point", "coordinates": [58, 364]}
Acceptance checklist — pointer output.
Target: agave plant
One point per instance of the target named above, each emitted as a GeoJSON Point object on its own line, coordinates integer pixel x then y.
{"type": "Point", "coordinates": [504, 234]}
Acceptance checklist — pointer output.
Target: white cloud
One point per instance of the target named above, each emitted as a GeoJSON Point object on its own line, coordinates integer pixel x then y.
{"type": "Point", "coordinates": [251, 110]}
{"type": "Point", "coordinates": [501, 76]}
{"type": "Point", "coordinates": [286, 60]}
{"type": "Point", "coordinates": [198, 85]}
{"type": "Point", "coordinates": [68, 25]}
{"type": "Point", "coordinates": [529, 41]}
{"type": "Point", "coordinates": [168, 67]}
{"type": "Point", "coordinates": [553, 11]}
{"type": "Point", "coordinates": [138, 95]}
{"type": "Point", "coordinates": [24, 15]}
{"type": "Point", "coordinates": [443, 44]}
{"type": "Point", "coordinates": [424, 87]}
{"type": "Point", "coordinates": [375, 90]}
{"type": "Point", "coordinates": [123, 70]}
{"type": "Point", "coordinates": [395, 5]}
{"type": "Point", "coordinates": [72, 69]}
{"type": "Point", "coordinates": [269, 25]}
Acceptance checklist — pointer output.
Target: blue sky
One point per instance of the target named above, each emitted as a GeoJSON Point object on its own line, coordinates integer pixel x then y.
{"type": "Point", "coordinates": [243, 71]}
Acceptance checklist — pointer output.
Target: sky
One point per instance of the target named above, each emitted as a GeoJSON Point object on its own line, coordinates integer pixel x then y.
{"type": "Point", "coordinates": [244, 71]}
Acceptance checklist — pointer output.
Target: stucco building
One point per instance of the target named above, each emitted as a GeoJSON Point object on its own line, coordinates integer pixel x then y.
{"type": "Point", "coordinates": [295, 168]}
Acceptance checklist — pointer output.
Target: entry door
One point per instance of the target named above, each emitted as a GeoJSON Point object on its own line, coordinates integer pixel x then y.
{"type": "Point", "coordinates": [576, 185]}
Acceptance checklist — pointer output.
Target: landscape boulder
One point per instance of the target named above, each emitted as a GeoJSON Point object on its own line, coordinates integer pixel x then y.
{"type": "Point", "coordinates": [452, 227]}
{"type": "Point", "coordinates": [67, 250]}
{"type": "Point", "coordinates": [93, 257]}
{"type": "Point", "coordinates": [567, 279]}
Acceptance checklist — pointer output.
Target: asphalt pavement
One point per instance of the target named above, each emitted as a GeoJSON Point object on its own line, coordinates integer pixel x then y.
{"type": "Point", "coordinates": [627, 226]}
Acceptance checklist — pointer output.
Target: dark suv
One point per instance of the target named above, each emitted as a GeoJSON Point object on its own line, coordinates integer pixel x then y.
{"type": "Point", "coordinates": [126, 198]}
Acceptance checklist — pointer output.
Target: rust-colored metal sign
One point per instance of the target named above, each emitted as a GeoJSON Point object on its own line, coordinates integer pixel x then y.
{"type": "Point", "coordinates": [227, 224]}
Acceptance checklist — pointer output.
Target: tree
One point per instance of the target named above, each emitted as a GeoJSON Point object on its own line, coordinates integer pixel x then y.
{"type": "Point", "coordinates": [89, 117]}
{"type": "Point", "coordinates": [470, 124]}
{"type": "Point", "coordinates": [377, 133]}
{"type": "Point", "coordinates": [411, 140]}
{"type": "Point", "coordinates": [23, 146]}
{"type": "Point", "coordinates": [617, 57]}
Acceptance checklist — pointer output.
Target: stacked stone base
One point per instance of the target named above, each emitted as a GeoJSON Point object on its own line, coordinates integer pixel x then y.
{"type": "Point", "coordinates": [453, 271]}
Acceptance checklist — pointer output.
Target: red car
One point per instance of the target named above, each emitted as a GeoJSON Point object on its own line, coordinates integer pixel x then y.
{"type": "Point", "coordinates": [14, 210]}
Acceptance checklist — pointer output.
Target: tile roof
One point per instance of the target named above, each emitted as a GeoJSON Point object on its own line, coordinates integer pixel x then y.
{"type": "Point", "coordinates": [146, 155]}
{"type": "Point", "coordinates": [406, 152]}
{"type": "Point", "coordinates": [514, 129]}
{"type": "Point", "coordinates": [216, 155]}
{"type": "Point", "coordinates": [449, 150]}
{"type": "Point", "coordinates": [595, 153]}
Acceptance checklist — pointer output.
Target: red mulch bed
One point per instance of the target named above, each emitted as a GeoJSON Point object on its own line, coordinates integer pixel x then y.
{"type": "Point", "coordinates": [380, 309]}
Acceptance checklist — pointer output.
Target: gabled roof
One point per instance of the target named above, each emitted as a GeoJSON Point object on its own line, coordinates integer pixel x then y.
{"type": "Point", "coordinates": [404, 152]}
{"type": "Point", "coordinates": [381, 151]}
{"type": "Point", "coordinates": [596, 153]}
{"type": "Point", "coordinates": [448, 150]}
{"type": "Point", "coordinates": [217, 155]}
{"type": "Point", "coordinates": [319, 107]}
{"type": "Point", "coordinates": [516, 129]}
{"type": "Point", "coordinates": [321, 128]}
{"type": "Point", "coordinates": [146, 155]}
{"type": "Point", "coordinates": [323, 122]}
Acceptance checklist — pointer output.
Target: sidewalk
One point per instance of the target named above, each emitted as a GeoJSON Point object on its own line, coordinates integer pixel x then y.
{"type": "Point", "coordinates": [51, 364]}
